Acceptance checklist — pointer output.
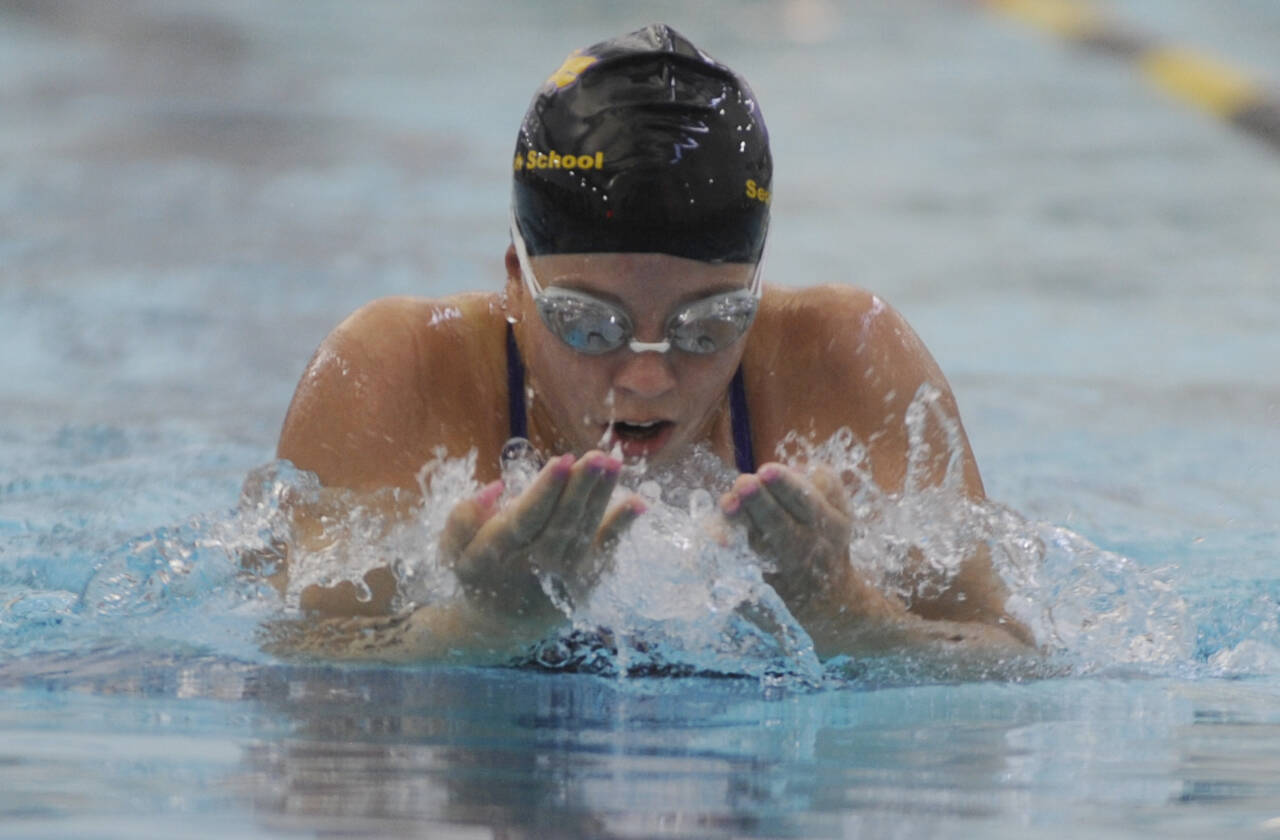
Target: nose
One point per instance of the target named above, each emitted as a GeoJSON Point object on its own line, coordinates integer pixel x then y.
{"type": "Point", "coordinates": [645, 374]}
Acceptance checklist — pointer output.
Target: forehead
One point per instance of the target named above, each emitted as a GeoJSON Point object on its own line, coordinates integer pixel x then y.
{"type": "Point", "coordinates": [641, 277]}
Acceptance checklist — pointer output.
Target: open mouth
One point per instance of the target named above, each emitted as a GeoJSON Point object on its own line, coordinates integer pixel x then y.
{"type": "Point", "coordinates": [640, 431]}
{"type": "Point", "coordinates": [639, 440]}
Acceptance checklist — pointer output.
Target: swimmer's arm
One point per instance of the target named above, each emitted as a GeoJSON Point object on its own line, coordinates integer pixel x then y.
{"type": "Point", "coordinates": [320, 531]}
{"type": "Point", "coordinates": [393, 384]}
{"type": "Point", "coordinates": [369, 411]}
{"type": "Point", "coordinates": [853, 618]}
{"type": "Point", "coordinates": [342, 622]}
{"type": "Point", "coordinates": [895, 371]}
{"type": "Point", "coordinates": [861, 367]}
{"type": "Point", "coordinates": [559, 524]}
{"type": "Point", "coordinates": [454, 630]}
{"type": "Point", "coordinates": [802, 524]}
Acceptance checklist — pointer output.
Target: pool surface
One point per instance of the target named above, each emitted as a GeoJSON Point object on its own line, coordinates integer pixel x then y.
{"type": "Point", "coordinates": [193, 193]}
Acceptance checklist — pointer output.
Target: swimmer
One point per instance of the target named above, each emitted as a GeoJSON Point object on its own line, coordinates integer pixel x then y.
{"type": "Point", "coordinates": [634, 324]}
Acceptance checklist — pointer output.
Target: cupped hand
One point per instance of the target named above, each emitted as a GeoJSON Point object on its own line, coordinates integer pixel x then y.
{"type": "Point", "coordinates": [801, 523]}
{"type": "Point", "coordinates": [561, 525]}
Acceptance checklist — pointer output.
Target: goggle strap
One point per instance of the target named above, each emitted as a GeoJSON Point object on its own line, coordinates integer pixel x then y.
{"type": "Point", "coordinates": [757, 278]}
{"type": "Point", "coordinates": [522, 256]}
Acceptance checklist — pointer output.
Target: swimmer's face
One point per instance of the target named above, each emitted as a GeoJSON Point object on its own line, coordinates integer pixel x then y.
{"type": "Point", "coordinates": [654, 405]}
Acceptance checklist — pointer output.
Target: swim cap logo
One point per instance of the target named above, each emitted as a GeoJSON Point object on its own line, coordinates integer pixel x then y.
{"type": "Point", "coordinates": [534, 159]}
{"type": "Point", "coordinates": [759, 193]}
{"type": "Point", "coordinates": [571, 69]}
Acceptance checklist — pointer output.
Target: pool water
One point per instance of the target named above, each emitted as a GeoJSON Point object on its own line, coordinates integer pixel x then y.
{"type": "Point", "coordinates": [193, 193]}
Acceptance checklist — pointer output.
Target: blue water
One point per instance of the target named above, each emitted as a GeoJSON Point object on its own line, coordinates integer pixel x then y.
{"type": "Point", "coordinates": [193, 193]}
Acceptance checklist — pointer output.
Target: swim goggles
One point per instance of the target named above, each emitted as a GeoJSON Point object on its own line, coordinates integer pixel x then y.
{"type": "Point", "coordinates": [595, 327]}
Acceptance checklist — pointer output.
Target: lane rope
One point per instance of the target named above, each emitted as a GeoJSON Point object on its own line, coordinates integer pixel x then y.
{"type": "Point", "coordinates": [1186, 74]}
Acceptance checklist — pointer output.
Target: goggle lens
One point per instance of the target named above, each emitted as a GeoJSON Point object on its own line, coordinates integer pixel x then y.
{"type": "Point", "coordinates": [711, 325]}
{"type": "Point", "coordinates": [587, 325]}
{"type": "Point", "coordinates": [594, 327]}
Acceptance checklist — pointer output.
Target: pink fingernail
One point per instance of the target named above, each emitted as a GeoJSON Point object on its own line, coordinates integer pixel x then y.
{"type": "Point", "coordinates": [770, 473]}
{"type": "Point", "coordinates": [489, 494]}
{"type": "Point", "coordinates": [562, 465]}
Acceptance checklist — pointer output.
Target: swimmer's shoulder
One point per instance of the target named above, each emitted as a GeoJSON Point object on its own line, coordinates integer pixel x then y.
{"type": "Point", "coordinates": [817, 330]}
{"type": "Point", "coordinates": [423, 341]}
{"type": "Point", "coordinates": [821, 358]}
{"type": "Point", "coordinates": [826, 302]}
{"type": "Point", "coordinates": [385, 324]}
{"type": "Point", "coordinates": [395, 380]}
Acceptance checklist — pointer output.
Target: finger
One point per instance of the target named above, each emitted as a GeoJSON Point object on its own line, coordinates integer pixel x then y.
{"type": "Point", "coordinates": [617, 522]}
{"type": "Point", "coordinates": [527, 516]}
{"type": "Point", "coordinates": [577, 513]}
{"type": "Point", "coordinates": [593, 512]}
{"type": "Point", "coordinates": [731, 503]}
{"type": "Point", "coordinates": [804, 502]}
{"type": "Point", "coordinates": [734, 516]}
{"type": "Point", "coordinates": [590, 566]}
{"type": "Point", "coordinates": [808, 499]}
{"type": "Point", "coordinates": [759, 510]}
{"type": "Point", "coordinates": [831, 487]}
{"type": "Point", "coordinates": [467, 517]}
{"type": "Point", "coordinates": [720, 529]}
{"type": "Point", "coordinates": [770, 521]}
{"type": "Point", "coordinates": [791, 491]}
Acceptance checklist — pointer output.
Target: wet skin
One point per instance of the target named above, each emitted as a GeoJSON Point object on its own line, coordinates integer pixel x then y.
{"type": "Point", "coordinates": [580, 398]}
{"type": "Point", "coordinates": [559, 526]}
{"type": "Point", "coordinates": [403, 378]}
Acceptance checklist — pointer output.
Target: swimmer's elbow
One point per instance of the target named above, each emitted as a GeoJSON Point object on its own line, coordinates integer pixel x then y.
{"type": "Point", "coordinates": [452, 631]}
{"type": "Point", "coordinates": [977, 636]}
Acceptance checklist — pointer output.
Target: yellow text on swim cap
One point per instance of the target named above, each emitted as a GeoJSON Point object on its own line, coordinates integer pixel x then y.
{"type": "Point", "coordinates": [534, 159]}
{"type": "Point", "coordinates": [572, 67]}
{"type": "Point", "coordinates": [758, 192]}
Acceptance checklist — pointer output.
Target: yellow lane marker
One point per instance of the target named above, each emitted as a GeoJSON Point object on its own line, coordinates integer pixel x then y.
{"type": "Point", "coordinates": [1190, 76]}
{"type": "Point", "coordinates": [1062, 17]}
{"type": "Point", "coordinates": [1200, 80]}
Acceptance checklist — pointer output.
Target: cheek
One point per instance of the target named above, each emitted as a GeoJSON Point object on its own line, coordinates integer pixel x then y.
{"type": "Point", "coordinates": [569, 379]}
{"type": "Point", "coordinates": [710, 372]}
{"type": "Point", "coordinates": [702, 384]}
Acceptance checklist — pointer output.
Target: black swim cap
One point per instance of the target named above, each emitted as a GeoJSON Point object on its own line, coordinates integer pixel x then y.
{"type": "Point", "coordinates": [644, 143]}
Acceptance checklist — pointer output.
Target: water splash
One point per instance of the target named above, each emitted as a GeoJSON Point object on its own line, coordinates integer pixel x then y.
{"type": "Point", "coordinates": [679, 597]}
{"type": "Point", "coordinates": [1092, 609]}
{"type": "Point", "coordinates": [182, 587]}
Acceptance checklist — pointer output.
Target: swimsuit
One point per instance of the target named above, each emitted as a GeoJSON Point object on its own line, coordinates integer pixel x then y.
{"type": "Point", "coordinates": [739, 420]}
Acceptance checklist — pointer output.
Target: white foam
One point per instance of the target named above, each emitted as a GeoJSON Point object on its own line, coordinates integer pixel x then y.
{"type": "Point", "coordinates": [679, 590]}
